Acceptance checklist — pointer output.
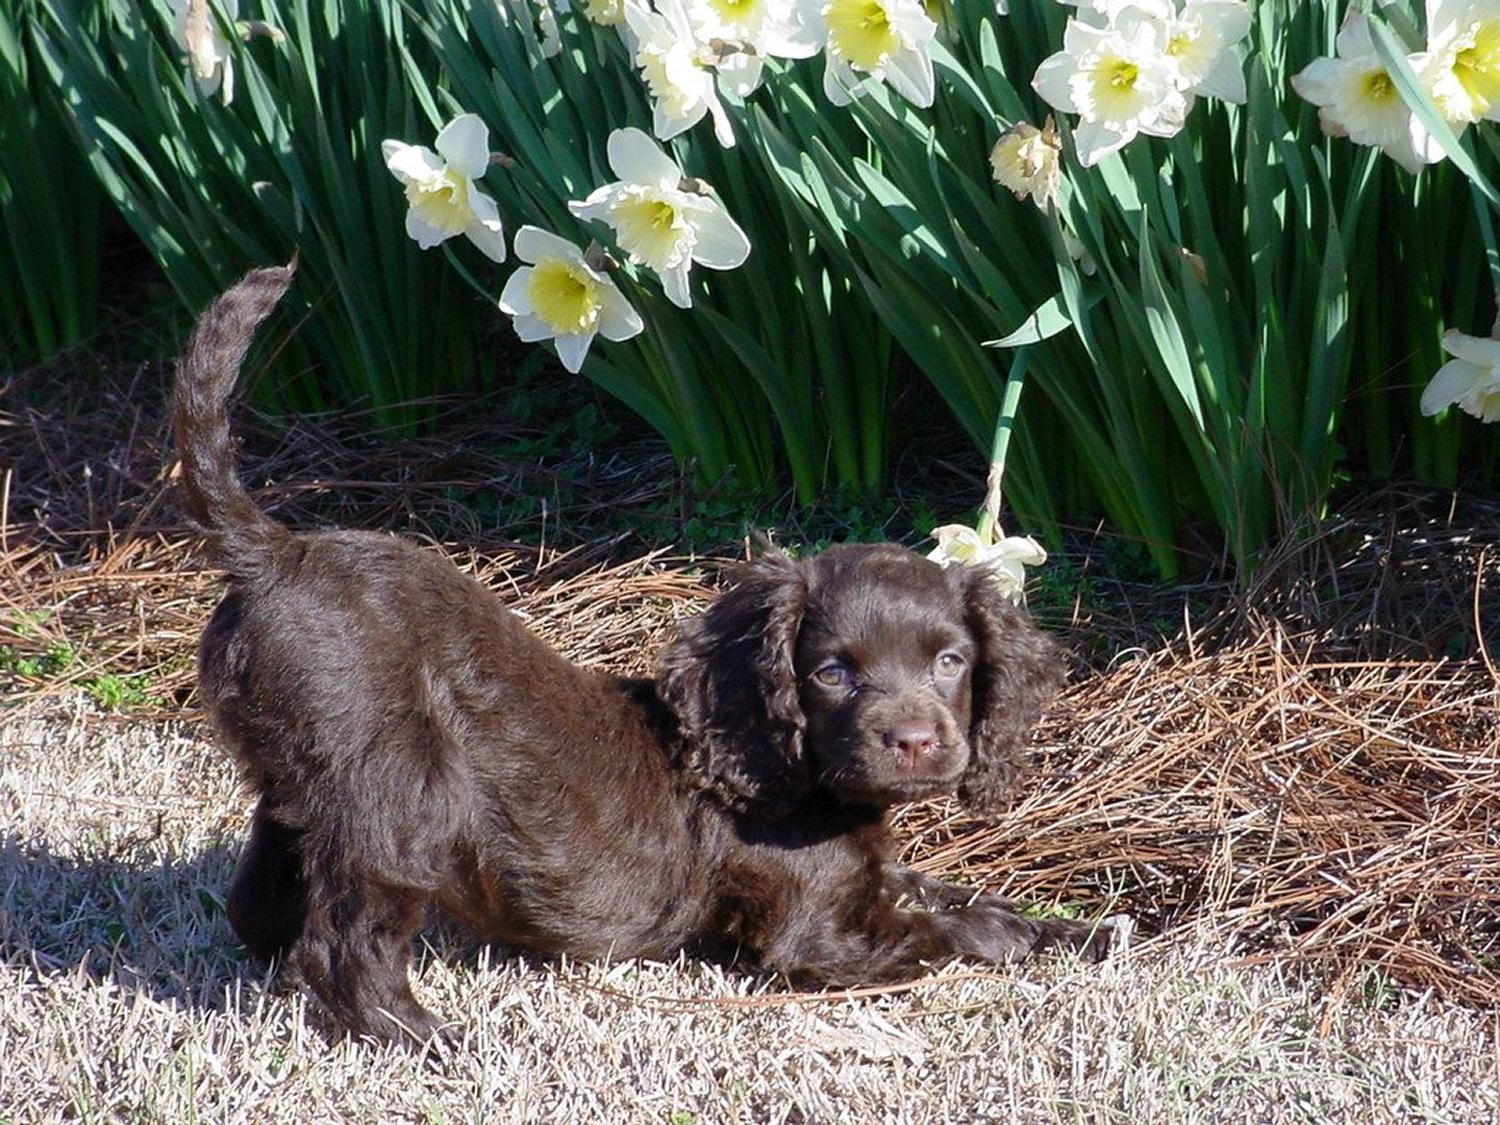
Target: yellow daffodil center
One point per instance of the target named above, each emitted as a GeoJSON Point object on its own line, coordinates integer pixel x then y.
{"type": "Point", "coordinates": [860, 31]}
{"type": "Point", "coordinates": [1115, 95]}
{"type": "Point", "coordinates": [1121, 75]}
{"type": "Point", "coordinates": [735, 13]}
{"type": "Point", "coordinates": [1179, 44]}
{"type": "Point", "coordinates": [564, 296]}
{"type": "Point", "coordinates": [650, 230]}
{"type": "Point", "coordinates": [1378, 87]}
{"type": "Point", "coordinates": [1477, 67]}
{"type": "Point", "coordinates": [442, 200]}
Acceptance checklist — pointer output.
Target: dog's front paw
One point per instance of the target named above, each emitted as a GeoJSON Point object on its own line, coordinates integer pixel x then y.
{"type": "Point", "coordinates": [1092, 941]}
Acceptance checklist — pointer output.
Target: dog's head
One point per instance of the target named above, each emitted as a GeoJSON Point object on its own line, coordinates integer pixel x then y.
{"type": "Point", "coordinates": [866, 671]}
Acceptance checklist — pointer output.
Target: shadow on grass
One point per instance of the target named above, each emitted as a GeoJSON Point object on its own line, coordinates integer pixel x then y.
{"type": "Point", "coordinates": [151, 925]}
{"type": "Point", "coordinates": [156, 926]}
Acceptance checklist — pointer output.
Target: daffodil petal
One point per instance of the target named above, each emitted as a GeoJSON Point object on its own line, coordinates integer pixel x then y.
{"type": "Point", "coordinates": [1474, 349]}
{"type": "Point", "coordinates": [489, 236]}
{"type": "Point", "coordinates": [532, 244]}
{"type": "Point", "coordinates": [1318, 80]}
{"type": "Point", "coordinates": [598, 203]}
{"type": "Point", "coordinates": [637, 159]}
{"type": "Point", "coordinates": [515, 298]}
{"type": "Point", "coordinates": [208, 84]}
{"type": "Point", "coordinates": [465, 144]}
{"type": "Point", "coordinates": [721, 244]}
{"type": "Point", "coordinates": [410, 162]}
{"type": "Point", "coordinates": [1448, 385]}
{"type": "Point", "coordinates": [531, 328]}
{"type": "Point", "coordinates": [1354, 40]}
{"type": "Point", "coordinates": [1095, 141]}
{"type": "Point", "coordinates": [1021, 549]}
{"type": "Point", "coordinates": [800, 37]}
{"type": "Point", "coordinates": [740, 74]}
{"type": "Point", "coordinates": [666, 126]}
{"type": "Point", "coordinates": [674, 283]}
{"type": "Point", "coordinates": [1053, 81]}
{"type": "Point", "coordinates": [1226, 81]}
{"type": "Point", "coordinates": [617, 319]}
{"type": "Point", "coordinates": [423, 233]}
{"type": "Point", "coordinates": [839, 81]}
{"type": "Point", "coordinates": [1170, 115]}
{"type": "Point", "coordinates": [723, 130]}
{"type": "Point", "coordinates": [1080, 38]}
{"type": "Point", "coordinates": [1404, 152]}
{"type": "Point", "coordinates": [573, 349]}
{"type": "Point", "coordinates": [909, 73]}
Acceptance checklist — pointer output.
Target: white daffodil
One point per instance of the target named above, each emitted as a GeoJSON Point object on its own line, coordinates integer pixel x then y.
{"type": "Point", "coordinates": [1357, 98]}
{"type": "Point", "coordinates": [1006, 559]}
{"type": "Point", "coordinates": [676, 69]}
{"type": "Point", "coordinates": [1119, 82]}
{"type": "Point", "coordinates": [660, 222]}
{"type": "Point", "coordinates": [208, 52]}
{"type": "Point", "coordinates": [558, 296]}
{"type": "Point", "coordinates": [1200, 48]}
{"type": "Point", "coordinates": [1103, 13]}
{"type": "Point", "coordinates": [1470, 380]}
{"type": "Point", "coordinates": [1463, 52]}
{"type": "Point", "coordinates": [1027, 160]}
{"type": "Point", "coordinates": [440, 187]}
{"type": "Point", "coordinates": [606, 13]}
{"type": "Point", "coordinates": [747, 32]}
{"type": "Point", "coordinates": [881, 40]}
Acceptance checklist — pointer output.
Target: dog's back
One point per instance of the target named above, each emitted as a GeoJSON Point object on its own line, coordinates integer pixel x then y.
{"type": "Point", "coordinates": [391, 714]}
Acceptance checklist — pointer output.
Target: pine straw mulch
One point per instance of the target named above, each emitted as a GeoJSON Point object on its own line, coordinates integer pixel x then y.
{"type": "Point", "coordinates": [1310, 770]}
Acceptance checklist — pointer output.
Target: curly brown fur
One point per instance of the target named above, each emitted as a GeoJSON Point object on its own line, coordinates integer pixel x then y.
{"type": "Point", "coordinates": [413, 745]}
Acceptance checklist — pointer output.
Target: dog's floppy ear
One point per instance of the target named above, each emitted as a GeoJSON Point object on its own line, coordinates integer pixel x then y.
{"type": "Point", "coordinates": [1017, 671]}
{"type": "Point", "coordinates": [729, 679]}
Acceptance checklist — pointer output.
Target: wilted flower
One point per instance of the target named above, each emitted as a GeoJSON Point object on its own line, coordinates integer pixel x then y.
{"type": "Point", "coordinates": [1118, 81]}
{"type": "Point", "coordinates": [1027, 160]}
{"type": "Point", "coordinates": [659, 222]}
{"type": "Point", "coordinates": [1007, 559]}
{"type": "Point", "coordinates": [1470, 380]}
{"type": "Point", "coordinates": [1463, 53]}
{"type": "Point", "coordinates": [440, 187]}
{"type": "Point", "coordinates": [208, 57]}
{"type": "Point", "coordinates": [675, 67]}
{"type": "Point", "coordinates": [886, 40]}
{"type": "Point", "coordinates": [1359, 100]}
{"type": "Point", "coordinates": [559, 296]}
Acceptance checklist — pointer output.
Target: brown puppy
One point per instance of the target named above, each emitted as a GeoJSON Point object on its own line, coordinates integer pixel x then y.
{"type": "Point", "coordinates": [414, 745]}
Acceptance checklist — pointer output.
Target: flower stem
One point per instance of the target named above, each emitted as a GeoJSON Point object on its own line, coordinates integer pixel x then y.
{"type": "Point", "coordinates": [989, 515]}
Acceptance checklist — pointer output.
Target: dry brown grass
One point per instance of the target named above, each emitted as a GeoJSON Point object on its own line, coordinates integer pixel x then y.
{"type": "Point", "coordinates": [123, 997]}
{"type": "Point", "coordinates": [1297, 788]}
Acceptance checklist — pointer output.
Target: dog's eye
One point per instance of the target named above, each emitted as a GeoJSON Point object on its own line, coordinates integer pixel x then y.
{"type": "Point", "coordinates": [832, 675]}
{"type": "Point", "coordinates": [949, 664]}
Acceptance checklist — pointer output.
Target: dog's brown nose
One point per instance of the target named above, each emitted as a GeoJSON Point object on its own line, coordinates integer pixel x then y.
{"type": "Point", "coordinates": [912, 738]}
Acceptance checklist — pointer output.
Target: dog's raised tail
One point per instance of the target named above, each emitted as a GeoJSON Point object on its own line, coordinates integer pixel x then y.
{"type": "Point", "coordinates": [241, 537]}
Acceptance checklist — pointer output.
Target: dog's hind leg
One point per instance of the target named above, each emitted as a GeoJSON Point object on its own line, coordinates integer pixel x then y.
{"type": "Point", "coordinates": [267, 900]}
{"type": "Point", "coordinates": [355, 954]}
